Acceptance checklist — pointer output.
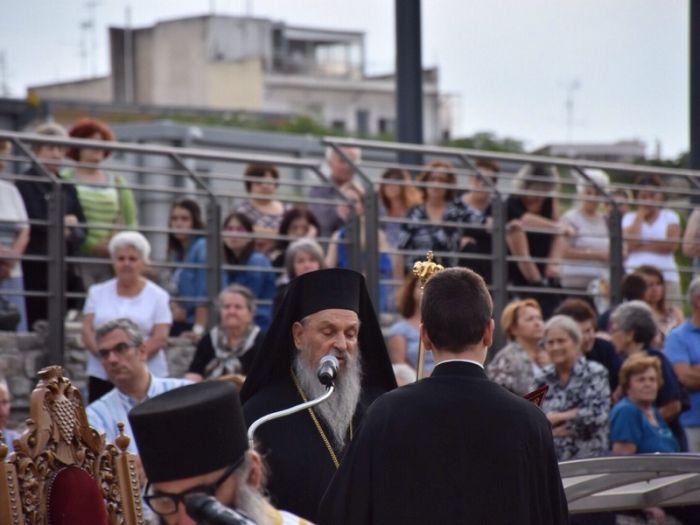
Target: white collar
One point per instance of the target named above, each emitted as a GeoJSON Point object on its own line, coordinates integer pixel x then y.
{"type": "Point", "coordinates": [461, 361]}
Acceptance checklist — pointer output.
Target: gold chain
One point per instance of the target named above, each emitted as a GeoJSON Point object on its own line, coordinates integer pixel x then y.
{"type": "Point", "coordinates": [317, 423]}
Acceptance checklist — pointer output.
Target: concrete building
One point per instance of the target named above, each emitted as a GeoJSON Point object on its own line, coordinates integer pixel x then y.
{"type": "Point", "coordinates": [256, 65]}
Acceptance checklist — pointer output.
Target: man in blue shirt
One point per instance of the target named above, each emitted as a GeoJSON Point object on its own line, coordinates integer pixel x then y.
{"type": "Point", "coordinates": [682, 348]}
{"type": "Point", "coordinates": [120, 348]}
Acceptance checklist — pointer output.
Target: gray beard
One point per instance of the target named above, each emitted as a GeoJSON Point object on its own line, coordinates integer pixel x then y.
{"type": "Point", "coordinates": [251, 503]}
{"type": "Point", "coordinates": [336, 411]}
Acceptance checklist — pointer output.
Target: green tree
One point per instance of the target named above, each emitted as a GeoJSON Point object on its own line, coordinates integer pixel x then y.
{"type": "Point", "coordinates": [487, 140]}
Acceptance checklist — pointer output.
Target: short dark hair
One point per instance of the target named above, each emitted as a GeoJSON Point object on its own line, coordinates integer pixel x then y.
{"type": "Point", "coordinates": [579, 310]}
{"type": "Point", "coordinates": [456, 308]}
{"type": "Point", "coordinates": [259, 171]}
{"type": "Point", "coordinates": [633, 287]}
{"type": "Point", "coordinates": [405, 298]}
{"type": "Point", "coordinates": [247, 225]}
{"type": "Point", "coordinates": [175, 246]}
{"type": "Point", "coordinates": [289, 217]}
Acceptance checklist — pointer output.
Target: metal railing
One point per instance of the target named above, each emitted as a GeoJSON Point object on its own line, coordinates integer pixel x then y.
{"type": "Point", "coordinates": [215, 177]}
{"type": "Point", "coordinates": [176, 176]}
{"type": "Point", "coordinates": [464, 165]}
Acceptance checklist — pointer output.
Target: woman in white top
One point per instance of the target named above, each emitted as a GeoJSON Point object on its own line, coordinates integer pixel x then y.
{"type": "Point", "coordinates": [652, 234]}
{"type": "Point", "coordinates": [591, 241]}
{"type": "Point", "coordinates": [128, 295]}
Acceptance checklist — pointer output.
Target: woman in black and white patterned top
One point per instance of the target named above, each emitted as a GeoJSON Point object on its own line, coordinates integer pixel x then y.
{"type": "Point", "coordinates": [424, 231]}
{"type": "Point", "coordinates": [578, 400]}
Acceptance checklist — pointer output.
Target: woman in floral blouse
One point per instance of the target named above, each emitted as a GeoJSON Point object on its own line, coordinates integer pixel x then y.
{"type": "Point", "coordinates": [578, 400]}
{"type": "Point", "coordinates": [424, 231]}
{"type": "Point", "coordinates": [516, 364]}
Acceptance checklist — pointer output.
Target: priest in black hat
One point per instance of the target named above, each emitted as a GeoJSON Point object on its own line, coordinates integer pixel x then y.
{"type": "Point", "coordinates": [192, 441]}
{"type": "Point", "coordinates": [326, 312]}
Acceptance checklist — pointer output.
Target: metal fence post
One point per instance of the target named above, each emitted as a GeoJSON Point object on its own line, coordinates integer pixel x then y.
{"type": "Point", "coordinates": [369, 262]}
{"type": "Point", "coordinates": [213, 238]}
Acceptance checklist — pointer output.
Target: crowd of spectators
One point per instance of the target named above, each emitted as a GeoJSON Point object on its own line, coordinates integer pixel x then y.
{"type": "Point", "coordinates": [623, 381]}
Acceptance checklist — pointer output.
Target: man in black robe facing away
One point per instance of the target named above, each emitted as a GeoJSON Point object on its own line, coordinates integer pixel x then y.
{"type": "Point", "coordinates": [454, 447]}
{"type": "Point", "coordinates": [323, 312]}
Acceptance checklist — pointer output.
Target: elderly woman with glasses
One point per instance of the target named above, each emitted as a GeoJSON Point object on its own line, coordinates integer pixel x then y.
{"type": "Point", "coordinates": [578, 398]}
{"type": "Point", "coordinates": [128, 295]}
{"type": "Point", "coordinates": [632, 330]}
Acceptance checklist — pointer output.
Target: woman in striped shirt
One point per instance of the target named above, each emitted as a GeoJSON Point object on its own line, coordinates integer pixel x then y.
{"type": "Point", "coordinates": [103, 197]}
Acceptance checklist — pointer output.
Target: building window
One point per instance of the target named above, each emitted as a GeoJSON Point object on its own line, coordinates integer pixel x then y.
{"type": "Point", "coordinates": [338, 125]}
{"type": "Point", "coordinates": [386, 125]}
{"type": "Point", "coordinates": [362, 121]}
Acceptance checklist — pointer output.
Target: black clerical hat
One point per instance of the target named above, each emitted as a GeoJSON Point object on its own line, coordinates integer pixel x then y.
{"type": "Point", "coordinates": [326, 289]}
{"type": "Point", "coordinates": [309, 293]}
{"type": "Point", "coordinates": [189, 431]}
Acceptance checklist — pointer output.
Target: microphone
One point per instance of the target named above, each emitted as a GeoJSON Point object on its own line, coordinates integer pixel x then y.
{"type": "Point", "coordinates": [207, 510]}
{"type": "Point", "coordinates": [327, 370]}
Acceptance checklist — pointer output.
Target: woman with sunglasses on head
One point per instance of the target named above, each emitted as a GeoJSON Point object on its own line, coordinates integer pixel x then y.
{"type": "Point", "coordinates": [425, 232]}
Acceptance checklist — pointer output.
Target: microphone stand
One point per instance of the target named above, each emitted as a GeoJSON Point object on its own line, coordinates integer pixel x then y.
{"type": "Point", "coordinates": [286, 412]}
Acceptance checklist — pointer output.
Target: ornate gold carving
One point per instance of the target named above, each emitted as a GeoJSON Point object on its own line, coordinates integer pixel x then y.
{"type": "Point", "coordinates": [425, 269]}
{"type": "Point", "coordinates": [58, 435]}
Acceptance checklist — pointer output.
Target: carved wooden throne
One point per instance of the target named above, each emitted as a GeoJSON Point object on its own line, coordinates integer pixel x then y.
{"type": "Point", "coordinates": [62, 471]}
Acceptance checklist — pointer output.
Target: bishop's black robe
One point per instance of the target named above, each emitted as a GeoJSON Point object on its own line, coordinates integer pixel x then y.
{"type": "Point", "coordinates": [299, 463]}
{"type": "Point", "coordinates": [452, 448]}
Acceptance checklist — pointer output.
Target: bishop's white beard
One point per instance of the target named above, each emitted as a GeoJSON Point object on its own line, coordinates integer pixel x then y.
{"type": "Point", "coordinates": [337, 410]}
{"type": "Point", "coordinates": [251, 502]}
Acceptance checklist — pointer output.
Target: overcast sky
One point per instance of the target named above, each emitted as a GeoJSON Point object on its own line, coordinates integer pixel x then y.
{"type": "Point", "coordinates": [511, 62]}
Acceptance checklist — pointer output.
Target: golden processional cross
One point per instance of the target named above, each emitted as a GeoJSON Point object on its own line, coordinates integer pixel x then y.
{"type": "Point", "coordinates": [424, 270]}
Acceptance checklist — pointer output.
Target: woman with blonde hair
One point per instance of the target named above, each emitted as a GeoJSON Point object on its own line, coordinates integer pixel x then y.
{"type": "Point", "coordinates": [516, 364]}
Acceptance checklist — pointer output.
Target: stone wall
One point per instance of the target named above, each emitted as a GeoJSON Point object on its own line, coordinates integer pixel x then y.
{"type": "Point", "coordinates": [22, 355]}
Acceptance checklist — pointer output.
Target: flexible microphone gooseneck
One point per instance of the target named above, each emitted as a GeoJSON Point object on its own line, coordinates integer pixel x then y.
{"type": "Point", "coordinates": [327, 372]}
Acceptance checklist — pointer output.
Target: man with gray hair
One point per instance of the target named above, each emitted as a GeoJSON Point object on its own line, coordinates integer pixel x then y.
{"type": "Point", "coordinates": [682, 347]}
{"type": "Point", "coordinates": [121, 350]}
{"type": "Point", "coordinates": [35, 194]}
